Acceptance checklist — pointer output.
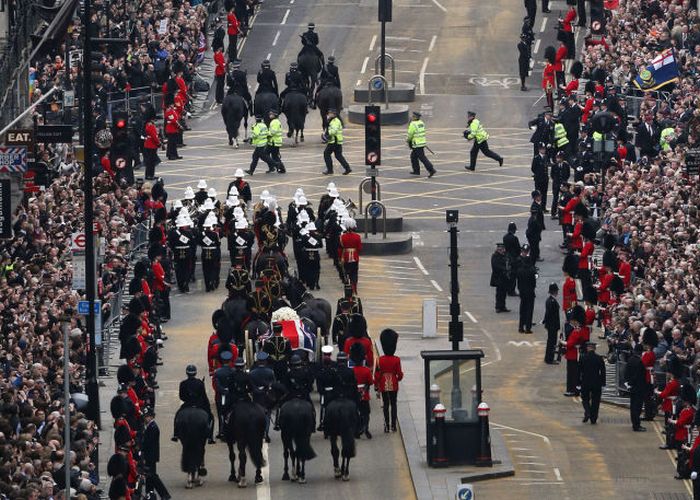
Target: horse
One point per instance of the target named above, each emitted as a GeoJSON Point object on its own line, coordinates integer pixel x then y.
{"type": "Point", "coordinates": [235, 308]}
{"type": "Point", "coordinates": [329, 97]}
{"type": "Point", "coordinates": [245, 427]}
{"type": "Point", "coordinates": [340, 419]}
{"type": "Point", "coordinates": [310, 65]}
{"type": "Point", "coordinates": [316, 309]}
{"type": "Point", "coordinates": [296, 421]}
{"type": "Point", "coordinates": [294, 108]}
{"type": "Point", "coordinates": [192, 429]}
{"type": "Point", "coordinates": [233, 110]}
{"type": "Point", "coordinates": [264, 102]}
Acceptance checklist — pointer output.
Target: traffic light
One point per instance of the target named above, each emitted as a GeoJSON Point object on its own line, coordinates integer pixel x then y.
{"type": "Point", "coordinates": [120, 124]}
{"type": "Point", "coordinates": [373, 136]}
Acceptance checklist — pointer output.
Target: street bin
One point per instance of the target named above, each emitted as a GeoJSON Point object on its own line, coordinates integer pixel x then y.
{"type": "Point", "coordinates": [452, 380]}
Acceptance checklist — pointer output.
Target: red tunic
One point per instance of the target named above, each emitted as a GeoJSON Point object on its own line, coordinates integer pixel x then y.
{"type": "Point", "coordinates": [152, 141]}
{"type": "Point", "coordinates": [172, 117]}
{"type": "Point", "coordinates": [571, 87]}
{"type": "Point", "coordinates": [220, 62]}
{"type": "Point", "coordinates": [560, 55]}
{"type": "Point", "coordinates": [685, 418]}
{"type": "Point", "coordinates": [233, 24]}
{"type": "Point", "coordinates": [548, 77]}
{"type": "Point", "coordinates": [576, 239]}
{"type": "Point", "coordinates": [569, 294]}
{"type": "Point", "coordinates": [158, 277]}
{"type": "Point", "coordinates": [604, 287]}
{"type": "Point", "coordinates": [568, 19]}
{"type": "Point", "coordinates": [586, 252]}
{"type": "Point", "coordinates": [363, 375]}
{"type": "Point", "coordinates": [366, 343]}
{"type": "Point", "coordinates": [669, 394]}
{"type": "Point", "coordinates": [648, 360]}
{"type": "Point", "coordinates": [568, 217]}
{"type": "Point", "coordinates": [350, 247]}
{"type": "Point", "coordinates": [388, 374]}
{"type": "Point", "coordinates": [590, 316]}
{"type": "Point", "coordinates": [576, 338]}
{"type": "Point", "coordinates": [625, 271]}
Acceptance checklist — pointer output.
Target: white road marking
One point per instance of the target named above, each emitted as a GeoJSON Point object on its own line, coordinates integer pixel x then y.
{"type": "Point", "coordinates": [263, 490]}
{"type": "Point", "coordinates": [537, 46]}
{"type": "Point", "coordinates": [277, 36]}
{"type": "Point", "coordinates": [544, 23]}
{"type": "Point", "coordinates": [371, 44]}
{"type": "Point", "coordinates": [557, 474]}
{"type": "Point", "coordinates": [359, 82]}
{"type": "Point", "coordinates": [364, 65]}
{"type": "Point", "coordinates": [420, 266]}
{"type": "Point", "coordinates": [269, 55]}
{"type": "Point", "coordinates": [286, 15]}
{"type": "Point", "coordinates": [435, 284]}
{"type": "Point", "coordinates": [439, 5]}
{"type": "Point", "coordinates": [421, 76]}
{"type": "Point", "coordinates": [469, 315]}
{"type": "Point", "coordinates": [541, 436]}
{"type": "Point", "coordinates": [291, 2]}
{"type": "Point", "coordinates": [432, 43]}
{"type": "Point", "coordinates": [496, 349]}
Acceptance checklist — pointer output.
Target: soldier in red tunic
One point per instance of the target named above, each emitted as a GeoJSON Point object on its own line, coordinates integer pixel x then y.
{"type": "Point", "coordinates": [387, 376]}
{"type": "Point", "coordinates": [363, 375]}
{"type": "Point", "coordinates": [349, 251]}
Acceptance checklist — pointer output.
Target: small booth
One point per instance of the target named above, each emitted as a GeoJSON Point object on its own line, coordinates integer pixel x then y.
{"type": "Point", "coordinates": [452, 398]}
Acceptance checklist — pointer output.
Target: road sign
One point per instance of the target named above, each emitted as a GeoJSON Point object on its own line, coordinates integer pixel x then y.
{"type": "Point", "coordinates": [79, 277]}
{"type": "Point", "coordinates": [54, 134]}
{"type": "Point", "coordinates": [375, 210]}
{"type": "Point", "coordinates": [77, 242]}
{"type": "Point", "coordinates": [5, 209]}
{"type": "Point", "coordinates": [83, 307]}
{"type": "Point", "coordinates": [465, 492]}
{"type": "Point", "coordinates": [13, 160]}
{"type": "Point", "coordinates": [19, 137]}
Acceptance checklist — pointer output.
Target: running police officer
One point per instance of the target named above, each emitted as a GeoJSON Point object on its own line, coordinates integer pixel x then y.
{"type": "Point", "coordinates": [258, 139]}
{"type": "Point", "coordinates": [334, 134]}
{"type": "Point", "coordinates": [417, 142]}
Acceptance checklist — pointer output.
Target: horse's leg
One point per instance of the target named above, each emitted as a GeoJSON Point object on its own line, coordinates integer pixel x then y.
{"type": "Point", "coordinates": [232, 458]}
{"type": "Point", "coordinates": [258, 476]}
{"type": "Point", "coordinates": [302, 472]}
{"type": "Point", "coordinates": [302, 132]}
{"type": "Point", "coordinates": [188, 483]}
{"type": "Point", "coordinates": [241, 466]}
{"type": "Point", "coordinates": [295, 462]}
{"type": "Point", "coordinates": [285, 476]}
{"type": "Point", "coordinates": [346, 468]}
{"type": "Point", "coordinates": [335, 452]}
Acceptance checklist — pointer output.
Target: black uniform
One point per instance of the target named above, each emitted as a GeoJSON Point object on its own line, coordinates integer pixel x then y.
{"type": "Point", "coordinates": [310, 39]}
{"type": "Point", "coordinates": [512, 244]}
{"type": "Point", "coordinates": [295, 82]}
{"type": "Point", "coordinates": [261, 378]}
{"type": "Point", "coordinates": [267, 81]}
{"type": "Point", "coordinates": [150, 455]}
{"type": "Point", "coordinates": [240, 247]}
{"type": "Point", "coordinates": [240, 387]}
{"type": "Point", "coordinates": [329, 75]}
{"type": "Point", "coordinates": [347, 383]}
{"type": "Point", "coordinates": [237, 81]}
{"type": "Point", "coordinates": [339, 329]}
{"type": "Point", "coordinates": [211, 258]}
{"type": "Point", "coordinates": [552, 324]}
{"type": "Point", "coordinates": [559, 173]}
{"type": "Point", "coordinates": [243, 189]}
{"type": "Point", "coordinates": [524, 56]}
{"type": "Point", "coordinates": [310, 271]}
{"type": "Point", "coordinates": [540, 173]}
{"type": "Point", "coordinates": [534, 235]}
{"type": "Point", "coordinates": [327, 383]}
{"type": "Point", "coordinates": [222, 377]}
{"type": "Point", "coordinates": [500, 269]}
{"type": "Point", "coordinates": [279, 349]}
{"type": "Point", "coordinates": [181, 242]}
{"type": "Point", "coordinates": [193, 393]}
{"type": "Point", "coordinates": [527, 282]}
{"type": "Point", "coordinates": [635, 376]}
{"type": "Point", "coordinates": [531, 9]}
{"type": "Point", "coordinates": [543, 133]}
{"type": "Point", "coordinates": [592, 380]}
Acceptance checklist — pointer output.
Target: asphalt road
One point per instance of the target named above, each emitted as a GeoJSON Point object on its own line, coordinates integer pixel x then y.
{"type": "Point", "coordinates": [461, 55]}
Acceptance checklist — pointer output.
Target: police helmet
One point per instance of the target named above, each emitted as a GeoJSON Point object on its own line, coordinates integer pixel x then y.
{"type": "Point", "coordinates": [342, 357]}
{"type": "Point", "coordinates": [191, 370]}
{"type": "Point", "coordinates": [258, 116]}
{"type": "Point", "coordinates": [333, 110]}
{"type": "Point", "coordinates": [273, 112]}
{"type": "Point", "coordinates": [293, 65]}
{"type": "Point", "coordinates": [226, 355]}
{"type": "Point", "coordinates": [240, 363]}
{"type": "Point", "coordinates": [416, 114]}
{"type": "Point", "coordinates": [331, 59]}
{"type": "Point", "coordinates": [265, 63]}
{"type": "Point", "coordinates": [295, 360]}
{"type": "Point", "coordinates": [312, 26]}
{"type": "Point", "coordinates": [236, 63]}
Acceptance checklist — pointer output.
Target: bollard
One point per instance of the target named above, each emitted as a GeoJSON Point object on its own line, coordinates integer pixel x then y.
{"type": "Point", "coordinates": [483, 458]}
{"type": "Point", "coordinates": [430, 318]}
{"type": "Point", "coordinates": [434, 396]}
{"type": "Point", "coordinates": [439, 452]}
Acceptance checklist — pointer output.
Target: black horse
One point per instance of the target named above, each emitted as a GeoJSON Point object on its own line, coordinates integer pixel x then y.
{"type": "Point", "coordinates": [235, 308]}
{"type": "Point", "coordinates": [192, 429]}
{"type": "Point", "coordinates": [316, 309]}
{"type": "Point", "coordinates": [310, 65]}
{"type": "Point", "coordinates": [267, 259]}
{"type": "Point", "coordinates": [245, 427]}
{"type": "Point", "coordinates": [264, 102]}
{"type": "Point", "coordinates": [296, 421]}
{"type": "Point", "coordinates": [233, 110]}
{"type": "Point", "coordinates": [340, 420]}
{"type": "Point", "coordinates": [294, 108]}
{"type": "Point", "coordinates": [329, 97]}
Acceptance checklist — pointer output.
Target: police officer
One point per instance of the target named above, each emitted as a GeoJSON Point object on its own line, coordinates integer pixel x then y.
{"type": "Point", "coordinates": [560, 172]}
{"type": "Point", "coordinates": [561, 140]}
{"type": "Point", "coordinates": [534, 230]}
{"type": "Point", "coordinates": [150, 454]}
{"type": "Point", "coordinates": [180, 240]}
{"type": "Point", "coordinates": [500, 270]}
{"type": "Point", "coordinates": [258, 139]}
{"type": "Point", "coordinates": [524, 55]}
{"type": "Point", "coordinates": [237, 81]}
{"type": "Point", "coordinates": [540, 172]}
{"type": "Point", "coordinates": [329, 73]}
{"type": "Point", "coordinates": [476, 132]}
{"type": "Point", "coordinates": [527, 282]}
{"type": "Point", "coordinates": [512, 246]}
{"type": "Point", "coordinates": [334, 133]}
{"type": "Point", "coordinates": [326, 380]}
{"type": "Point", "coordinates": [193, 393]}
{"type": "Point", "coordinates": [222, 376]}
{"type": "Point", "coordinates": [261, 378]}
{"type": "Point", "coordinates": [294, 81]}
{"type": "Point", "coordinates": [551, 323]}
{"type": "Point", "coordinates": [274, 140]}
{"type": "Point", "coordinates": [417, 142]}
{"type": "Point", "coordinates": [310, 39]}
{"type": "Point", "coordinates": [211, 252]}
{"type": "Point", "coordinates": [591, 380]}
{"type": "Point", "coordinates": [267, 80]}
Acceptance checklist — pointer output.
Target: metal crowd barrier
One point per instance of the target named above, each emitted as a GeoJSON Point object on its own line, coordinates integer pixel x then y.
{"type": "Point", "coordinates": [128, 101]}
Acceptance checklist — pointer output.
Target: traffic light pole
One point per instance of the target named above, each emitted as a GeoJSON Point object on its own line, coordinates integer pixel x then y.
{"type": "Point", "coordinates": [456, 331]}
{"type": "Point", "coordinates": [91, 386]}
{"type": "Point", "coordinates": [382, 62]}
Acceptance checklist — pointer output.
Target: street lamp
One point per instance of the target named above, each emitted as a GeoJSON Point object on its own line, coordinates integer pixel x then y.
{"type": "Point", "coordinates": [456, 327]}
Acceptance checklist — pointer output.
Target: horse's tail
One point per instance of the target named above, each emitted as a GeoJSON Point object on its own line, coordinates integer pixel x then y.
{"type": "Point", "coordinates": [302, 445]}
{"type": "Point", "coordinates": [348, 441]}
{"type": "Point", "coordinates": [256, 455]}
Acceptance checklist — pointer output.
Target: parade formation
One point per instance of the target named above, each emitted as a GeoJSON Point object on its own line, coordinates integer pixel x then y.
{"type": "Point", "coordinates": [251, 328]}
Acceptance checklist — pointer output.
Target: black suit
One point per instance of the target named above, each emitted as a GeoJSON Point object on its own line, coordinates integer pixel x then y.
{"type": "Point", "coordinates": [552, 324]}
{"type": "Point", "coordinates": [635, 376]}
{"type": "Point", "coordinates": [539, 172]}
{"type": "Point", "coordinates": [527, 282]}
{"type": "Point", "coordinates": [592, 380]}
{"type": "Point", "coordinates": [499, 278]}
{"type": "Point", "coordinates": [512, 244]}
{"type": "Point", "coordinates": [646, 141]}
{"type": "Point", "coordinates": [150, 455]}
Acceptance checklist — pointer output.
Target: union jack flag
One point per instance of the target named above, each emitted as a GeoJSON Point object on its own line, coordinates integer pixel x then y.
{"type": "Point", "coordinates": [299, 337]}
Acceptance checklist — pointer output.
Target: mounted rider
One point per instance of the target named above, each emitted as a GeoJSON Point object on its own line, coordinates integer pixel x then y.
{"type": "Point", "coordinates": [267, 79]}
{"type": "Point", "coordinates": [310, 39]}
{"type": "Point", "coordinates": [295, 81]}
{"type": "Point", "coordinates": [237, 81]}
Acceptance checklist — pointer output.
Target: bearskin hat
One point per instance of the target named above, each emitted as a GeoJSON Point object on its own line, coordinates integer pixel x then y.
{"type": "Point", "coordinates": [131, 347]}
{"type": "Point", "coordinates": [129, 325]}
{"type": "Point", "coordinates": [649, 337]}
{"type": "Point", "coordinates": [155, 250]}
{"type": "Point", "coordinates": [617, 286]}
{"type": "Point", "coordinates": [117, 407]}
{"type": "Point", "coordinates": [216, 317]}
{"type": "Point", "coordinates": [388, 339]}
{"type": "Point", "coordinates": [124, 374]}
{"type": "Point", "coordinates": [135, 306]}
{"type": "Point", "coordinates": [688, 394]}
{"type": "Point", "coordinates": [589, 229]}
{"type": "Point", "coordinates": [140, 269]}
{"type": "Point", "coordinates": [570, 266]}
{"type": "Point", "coordinates": [117, 465]}
{"type": "Point", "coordinates": [590, 295]}
{"type": "Point", "coordinates": [673, 366]}
{"type": "Point", "coordinates": [117, 488]}
{"type": "Point", "coordinates": [599, 75]}
{"type": "Point", "coordinates": [224, 330]}
{"type": "Point", "coordinates": [623, 135]}
{"type": "Point", "coordinates": [581, 210]}
{"type": "Point", "coordinates": [550, 54]}
{"type": "Point", "coordinates": [610, 260]}
{"type": "Point", "coordinates": [609, 241]}
{"type": "Point", "coordinates": [357, 353]}
{"type": "Point", "coordinates": [358, 326]}
{"type": "Point", "coordinates": [577, 69]}
{"type": "Point", "coordinates": [578, 314]}
{"type": "Point", "coordinates": [121, 435]}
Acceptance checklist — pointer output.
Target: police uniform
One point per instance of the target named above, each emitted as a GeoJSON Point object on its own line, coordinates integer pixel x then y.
{"type": "Point", "coordinates": [591, 379]}
{"type": "Point", "coordinates": [417, 142]}
{"type": "Point", "coordinates": [274, 141]}
{"type": "Point", "coordinates": [258, 139]}
{"type": "Point", "coordinates": [310, 39]}
{"type": "Point", "coordinates": [500, 270]}
{"type": "Point", "coordinates": [334, 146]}
{"type": "Point", "coordinates": [237, 81]}
{"type": "Point", "coordinates": [295, 81]}
{"type": "Point", "coordinates": [329, 73]}
{"type": "Point", "coordinates": [210, 243]}
{"type": "Point", "coordinates": [560, 172]}
{"type": "Point", "coordinates": [267, 79]}
{"type": "Point", "coordinates": [480, 137]}
{"type": "Point", "coordinates": [540, 172]}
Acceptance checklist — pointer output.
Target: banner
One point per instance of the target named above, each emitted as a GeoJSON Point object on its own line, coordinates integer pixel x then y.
{"type": "Point", "coordinates": [662, 71]}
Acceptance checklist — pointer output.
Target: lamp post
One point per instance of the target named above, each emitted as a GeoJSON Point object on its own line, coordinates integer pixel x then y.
{"type": "Point", "coordinates": [456, 327]}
